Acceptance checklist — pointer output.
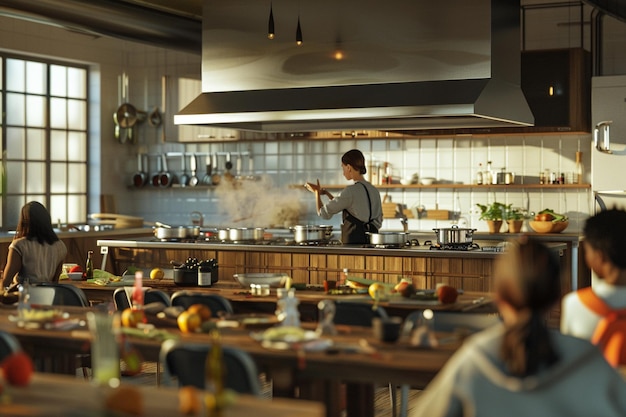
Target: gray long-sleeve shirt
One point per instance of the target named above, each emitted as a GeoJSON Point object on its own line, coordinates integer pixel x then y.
{"type": "Point", "coordinates": [354, 199]}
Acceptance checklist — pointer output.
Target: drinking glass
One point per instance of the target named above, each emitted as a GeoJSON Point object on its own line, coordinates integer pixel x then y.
{"type": "Point", "coordinates": [105, 355]}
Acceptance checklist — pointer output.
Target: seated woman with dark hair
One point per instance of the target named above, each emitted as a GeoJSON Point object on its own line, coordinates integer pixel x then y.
{"type": "Point", "coordinates": [36, 252]}
{"type": "Point", "coordinates": [519, 367]}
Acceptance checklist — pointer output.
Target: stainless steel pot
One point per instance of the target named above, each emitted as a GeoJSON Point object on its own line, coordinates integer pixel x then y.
{"type": "Point", "coordinates": [311, 233]}
{"type": "Point", "coordinates": [223, 234]}
{"type": "Point", "coordinates": [389, 238]}
{"type": "Point", "coordinates": [245, 234]}
{"type": "Point", "coordinates": [176, 232]}
{"type": "Point", "coordinates": [454, 235]}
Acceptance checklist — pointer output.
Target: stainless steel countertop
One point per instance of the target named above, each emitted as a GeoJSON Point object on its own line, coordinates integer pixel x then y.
{"type": "Point", "coordinates": [8, 237]}
{"type": "Point", "coordinates": [417, 251]}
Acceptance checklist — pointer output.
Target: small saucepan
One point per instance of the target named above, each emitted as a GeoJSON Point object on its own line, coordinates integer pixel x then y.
{"type": "Point", "coordinates": [140, 177]}
{"type": "Point", "coordinates": [165, 178]}
{"type": "Point", "coordinates": [155, 180]}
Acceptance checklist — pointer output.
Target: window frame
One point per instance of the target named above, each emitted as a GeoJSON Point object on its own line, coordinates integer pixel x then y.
{"type": "Point", "coordinates": [8, 218]}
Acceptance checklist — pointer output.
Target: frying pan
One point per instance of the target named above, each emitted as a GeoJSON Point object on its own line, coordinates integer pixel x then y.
{"type": "Point", "coordinates": [139, 178]}
{"type": "Point", "coordinates": [206, 180]}
{"type": "Point", "coordinates": [165, 180]}
{"type": "Point", "coordinates": [228, 176]}
{"type": "Point", "coordinates": [193, 181]}
{"type": "Point", "coordinates": [215, 178]}
{"type": "Point", "coordinates": [184, 178]}
{"type": "Point", "coordinates": [157, 174]}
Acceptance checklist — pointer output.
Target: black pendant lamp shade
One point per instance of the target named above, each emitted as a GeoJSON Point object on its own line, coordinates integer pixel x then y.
{"type": "Point", "coordinates": [298, 33]}
{"type": "Point", "coordinates": [270, 24]}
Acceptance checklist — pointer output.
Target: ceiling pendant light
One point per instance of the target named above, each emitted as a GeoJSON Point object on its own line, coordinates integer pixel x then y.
{"type": "Point", "coordinates": [298, 33]}
{"type": "Point", "coordinates": [270, 24]}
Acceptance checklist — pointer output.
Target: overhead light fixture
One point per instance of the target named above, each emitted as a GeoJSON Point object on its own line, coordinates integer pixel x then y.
{"type": "Point", "coordinates": [270, 24]}
{"type": "Point", "coordinates": [298, 33]}
{"type": "Point", "coordinates": [338, 53]}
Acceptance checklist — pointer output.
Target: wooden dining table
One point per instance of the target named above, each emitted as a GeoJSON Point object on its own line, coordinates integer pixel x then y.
{"type": "Point", "coordinates": [355, 359]}
{"type": "Point", "coordinates": [65, 396]}
{"type": "Point", "coordinates": [244, 302]}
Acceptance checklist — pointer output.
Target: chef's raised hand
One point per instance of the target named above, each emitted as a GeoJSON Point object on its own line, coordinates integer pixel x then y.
{"type": "Point", "coordinates": [313, 187]}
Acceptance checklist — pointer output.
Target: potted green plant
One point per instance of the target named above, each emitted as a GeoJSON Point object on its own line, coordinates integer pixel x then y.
{"type": "Point", "coordinates": [493, 214]}
{"type": "Point", "coordinates": [514, 218]}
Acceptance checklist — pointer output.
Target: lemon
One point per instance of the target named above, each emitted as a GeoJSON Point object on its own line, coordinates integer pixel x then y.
{"type": "Point", "coordinates": [189, 322]}
{"type": "Point", "coordinates": [157, 273]}
{"type": "Point", "coordinates": [131, 317]}
{"type": "Point", "coordinates": [377, 291]}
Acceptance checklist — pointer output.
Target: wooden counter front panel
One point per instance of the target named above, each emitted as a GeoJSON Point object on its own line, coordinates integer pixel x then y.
{"type": "Point", "coordinates": [416, 269]}
{"type": "Point", "coordinates": [425, 272]}
{"type": "Point", "coordinates": [318, 269]}
{"type": "Point", "coordinates": [469, 274]}
{"type": "Point", "coordinates": [300, 267]}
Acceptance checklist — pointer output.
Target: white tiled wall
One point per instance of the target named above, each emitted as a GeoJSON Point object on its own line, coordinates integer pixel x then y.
{"type": "Point", "coordinates": [288, 164]}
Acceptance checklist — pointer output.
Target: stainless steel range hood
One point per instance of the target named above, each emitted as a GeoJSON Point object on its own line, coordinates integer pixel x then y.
{"type": "Point", "coordinates": [404, 65]}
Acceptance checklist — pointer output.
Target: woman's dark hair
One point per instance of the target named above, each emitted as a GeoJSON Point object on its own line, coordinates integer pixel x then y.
{"type": "Point", "coordinates": [605, 233]}
{"type": "Point", "coordinates": [528, 279]}
{"type": "Point", "coordinates": [35, 224]}
{"type": "Point", "coordinates": [355, 158]}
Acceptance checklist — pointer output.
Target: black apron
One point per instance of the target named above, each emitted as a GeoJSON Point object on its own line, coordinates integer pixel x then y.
{"type": "Point", "coordinates": [354, 230]}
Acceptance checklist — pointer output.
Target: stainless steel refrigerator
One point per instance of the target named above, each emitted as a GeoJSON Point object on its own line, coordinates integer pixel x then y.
{"type": "Point", "coordinates": [608, 146]}
{"type": "Point", "coordinates": [608, 153]}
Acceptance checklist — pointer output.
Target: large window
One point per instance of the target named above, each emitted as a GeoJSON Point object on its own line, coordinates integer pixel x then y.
{"type": "Point", "coordinates": [44, 138]}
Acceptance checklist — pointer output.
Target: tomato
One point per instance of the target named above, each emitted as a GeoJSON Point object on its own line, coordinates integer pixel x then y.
{"type": "Point", "coordinates": [544, 217]}
{"type": "Point", "coordinates": [75, 268]}
{"type": "Point", "coordinates": [18, 369]}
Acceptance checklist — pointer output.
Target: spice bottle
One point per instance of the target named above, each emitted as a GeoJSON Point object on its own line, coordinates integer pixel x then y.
{"type": "Point", "coordinates": [479, 174]}
{"type": "Point", "coordinates": [89, 266]}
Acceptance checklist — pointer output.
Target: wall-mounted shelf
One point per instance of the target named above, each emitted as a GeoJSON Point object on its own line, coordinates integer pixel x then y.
{"type": "Point", "coordinates": [465, 186]}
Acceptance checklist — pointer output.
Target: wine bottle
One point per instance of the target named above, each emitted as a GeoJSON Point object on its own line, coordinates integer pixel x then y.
{"type": "Point", "coordinates": [89, 265]}
{"type": "Point", "coordinates": [579, 168]}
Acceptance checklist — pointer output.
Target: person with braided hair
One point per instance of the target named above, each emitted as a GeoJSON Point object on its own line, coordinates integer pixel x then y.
{"type": "Point", "coordinates": [519, 367]}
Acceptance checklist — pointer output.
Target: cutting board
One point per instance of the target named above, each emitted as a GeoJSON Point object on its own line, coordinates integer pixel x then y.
{"type": "Point", "coordinates": [437, 214]}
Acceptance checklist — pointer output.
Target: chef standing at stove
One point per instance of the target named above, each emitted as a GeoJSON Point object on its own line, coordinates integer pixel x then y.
{"type": "Point", "coordinates": [359, 203]}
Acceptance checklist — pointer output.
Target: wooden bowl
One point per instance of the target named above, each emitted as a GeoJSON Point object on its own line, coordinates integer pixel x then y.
{"type": "Point", "coordinates": [548, 226]}
{"type": "Point", "coordinates": [558, 227]}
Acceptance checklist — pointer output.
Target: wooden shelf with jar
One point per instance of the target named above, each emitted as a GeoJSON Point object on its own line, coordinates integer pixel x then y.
{"type": "Point", "coordinates": [465, 186]}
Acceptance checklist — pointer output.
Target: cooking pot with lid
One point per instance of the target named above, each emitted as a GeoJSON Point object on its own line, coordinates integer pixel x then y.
{"type": "Point", "coordinates": [245, 234]}
{"type": "Point", "coordinates": [454, 235]}
{"type": "Point", "coordinates": [389, 238]}
{"type": "Point", "coordinates": [312, 233]}
{"type": "Point", "coordinates": [164, 232]}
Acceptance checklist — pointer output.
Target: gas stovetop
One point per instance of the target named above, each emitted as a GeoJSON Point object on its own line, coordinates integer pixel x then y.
{"type": "Point", "coordinates": [456, 246]}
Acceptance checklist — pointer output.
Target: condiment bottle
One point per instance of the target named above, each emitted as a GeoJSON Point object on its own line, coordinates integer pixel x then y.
{"type": "Point", "coordinates": [89, 265]}
{"type": "Point", "coordinates": [343, 277]}
{"type": "Point", "coordinates": [579, 168]}
{"type": "Point", "coordinates": [479, 174]}
{"type": "Point", "coordinates": [138, 291]}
